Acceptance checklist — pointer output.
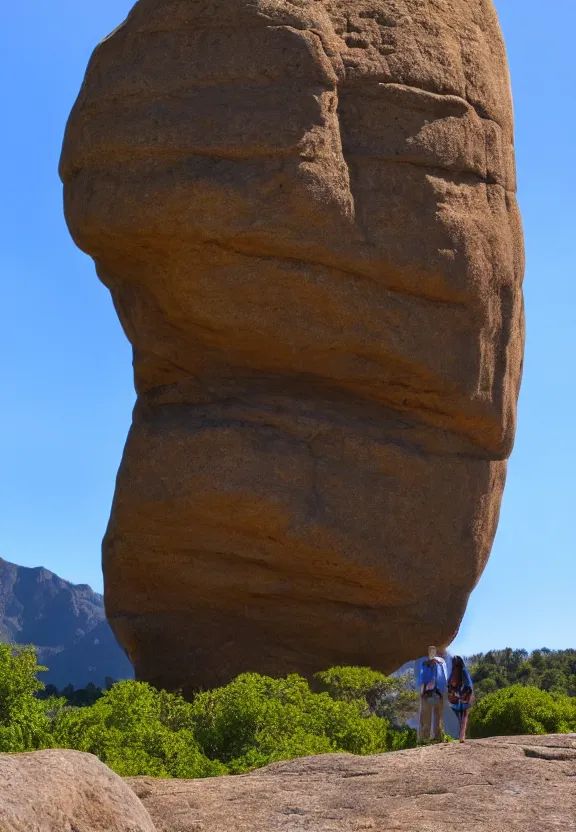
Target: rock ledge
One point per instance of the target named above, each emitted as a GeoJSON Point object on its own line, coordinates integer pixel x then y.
{"type": "Point", "coordinates": [502, 784]}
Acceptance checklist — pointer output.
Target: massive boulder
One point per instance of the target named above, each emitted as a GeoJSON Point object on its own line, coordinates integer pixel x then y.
{"type": "Point", "coordinates": [66, 791]}
{"type": "Point", "coordinates": [504, 784]}
{"type": "Point", "coordinates": [304, 211]}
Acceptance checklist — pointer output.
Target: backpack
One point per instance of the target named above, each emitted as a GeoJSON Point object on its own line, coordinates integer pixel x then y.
{"type": "Point", "coordinates": [458, 692]}
{"type": "Point", "coordinates": [430, 678]}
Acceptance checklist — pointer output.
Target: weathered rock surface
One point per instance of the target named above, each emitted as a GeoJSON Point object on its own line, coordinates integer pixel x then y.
{"type": "Point", "coordinates": [66, 791]}
{"type": "Point", "coordinates": [511, 784]}
{"type": "Point", "coordinates": [305, 213]}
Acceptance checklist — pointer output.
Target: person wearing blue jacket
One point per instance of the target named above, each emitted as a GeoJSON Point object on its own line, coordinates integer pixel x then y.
{"type": "Point", "coordinates": [460, 693]}
{"type": "Point", "coordinates": [432, 685]}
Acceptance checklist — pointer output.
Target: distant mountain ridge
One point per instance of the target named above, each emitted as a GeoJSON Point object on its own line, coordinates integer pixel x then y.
{"type": "Point", "coordinates": [66, 622]}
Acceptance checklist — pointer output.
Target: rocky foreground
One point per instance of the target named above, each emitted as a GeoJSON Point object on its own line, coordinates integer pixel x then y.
{"type": "Point", "coordinates": [501, 784]}
{"type": "Point", "coordinates": [510, 783]}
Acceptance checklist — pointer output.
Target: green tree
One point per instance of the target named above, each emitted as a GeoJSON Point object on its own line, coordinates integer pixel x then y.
{"type": "Point", "coordinates": [136, 729]}
{"type": "Point", "coordinates": [550, 670]}
{"type": "Point", "coordinates": [256, 720]}
{"type": "Point", "coordinates": [389, 697]}
{"type": "Point", "coordinates": [24, 724]}
{"type": "Point", "coordinates": [518, 710]}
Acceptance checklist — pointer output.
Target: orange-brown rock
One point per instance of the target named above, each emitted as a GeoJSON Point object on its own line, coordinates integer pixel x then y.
{"type": "Point", "coordinates": [305, 213]}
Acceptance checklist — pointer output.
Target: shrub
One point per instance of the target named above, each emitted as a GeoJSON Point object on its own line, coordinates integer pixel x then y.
{"type": "Point", "coordinates": [135, 729]}
{"type": "Point", "coordinates": [24, 724]}
{"type": "Point", "coordinates": [389, 697]}
{"type": "Point", "coordinates": [138, 730]}
{"type": "Point", "coordinates": [256, 720]}
{"type": "Point", "coordinates": [520, 710]}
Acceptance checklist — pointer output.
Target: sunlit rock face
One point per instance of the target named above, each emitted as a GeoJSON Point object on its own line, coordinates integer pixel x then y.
{"type": "Point", "coordinates": [305, 214]}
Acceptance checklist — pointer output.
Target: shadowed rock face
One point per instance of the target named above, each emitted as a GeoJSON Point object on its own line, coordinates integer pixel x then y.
{"type": "Point", "coordinates": [305, 214]}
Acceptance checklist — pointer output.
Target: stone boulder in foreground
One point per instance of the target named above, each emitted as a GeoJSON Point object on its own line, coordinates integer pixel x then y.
{"type": "Point", "coordinates": [305, 213]}
{"type": "Point", "coordinates": [66, 791]}
{"type": "Point", "coordinates": [504, 784]}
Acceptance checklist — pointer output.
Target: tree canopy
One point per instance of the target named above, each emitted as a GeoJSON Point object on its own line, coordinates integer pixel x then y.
{"type": "Point", "coordinates": [518, 710]}
{"type": "Point", "coordinates": [24, 724]}
{"type": "Point", "coordinates": [548, 670]}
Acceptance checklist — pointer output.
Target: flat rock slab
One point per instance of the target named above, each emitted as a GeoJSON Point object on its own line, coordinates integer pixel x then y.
{"type": "Point", "coordinates": [66, 791]}
{"type": "Point", "coordinates": [508, 783]}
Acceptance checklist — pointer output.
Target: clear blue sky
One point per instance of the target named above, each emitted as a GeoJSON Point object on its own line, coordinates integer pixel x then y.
{"type": "Point", "coordinates": [67, 384]}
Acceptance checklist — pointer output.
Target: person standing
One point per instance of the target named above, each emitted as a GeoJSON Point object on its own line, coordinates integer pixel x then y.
{"type": "Point", "coordinates": [460, 693]}
{"type": "Point", "coordinates": [432, 684]}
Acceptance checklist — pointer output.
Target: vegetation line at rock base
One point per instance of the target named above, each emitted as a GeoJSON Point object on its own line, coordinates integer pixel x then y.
{"type": "Point", "coordinates": [255, 720]}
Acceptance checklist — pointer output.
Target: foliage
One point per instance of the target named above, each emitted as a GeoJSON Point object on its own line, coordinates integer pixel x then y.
{"type": "Point", "coordinates": [517, 710]}
{"type": "Point", "coordinates": [24, 725]}
{"type": "Point", "coordinates": [136, 729]}
{"type": "Point", "coordinates": [389, 697]}
{"type": "Point", "coordinates": [549, 670]}
{"type": "Point", "coordinates": [256, 720]}
{"type": "Point", "coordinates": [79, 697]}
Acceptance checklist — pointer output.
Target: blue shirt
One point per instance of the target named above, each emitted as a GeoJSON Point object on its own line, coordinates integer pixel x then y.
{"type": "Point", "coordinates": [432, 672]}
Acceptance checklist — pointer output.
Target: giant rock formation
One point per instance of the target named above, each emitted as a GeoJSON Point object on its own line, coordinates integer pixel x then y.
{"type": "Point", "coordinates": [305, 213]}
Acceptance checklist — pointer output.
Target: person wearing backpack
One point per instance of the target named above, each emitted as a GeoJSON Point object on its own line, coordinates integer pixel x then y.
{"type": "Point", "coordinates": [460, 693]}
{"type": "Point", "coordinates": [432, 684]}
